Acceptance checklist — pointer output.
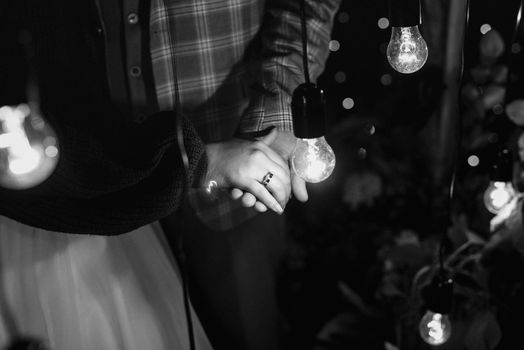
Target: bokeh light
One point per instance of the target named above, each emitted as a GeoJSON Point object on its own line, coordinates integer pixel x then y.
{"type": "Point", "coordinates": [340, 77]}
{"type": "Point", "coordinates": [348, 103]}
{"type": "Point", "coordinates": [383, 23]}
{"type": "Point", "coordinates": [343, 17]}
{"type": "Point", "coordinates": [473, 160]}
{"type": "Point", "coordinates": [485, 28]}
{"type": "Point", "coordinates": [334, 45]}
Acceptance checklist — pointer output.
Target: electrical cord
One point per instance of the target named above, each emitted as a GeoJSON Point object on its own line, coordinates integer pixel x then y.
{"type": "Point", "coordinates": [304, 40]}
{"type": "Point", "coordinates": [180, 250]}
{"type": "Point", "coordinates": [511, 62]}
{"type": "Point", "coordinates": [179, 120]}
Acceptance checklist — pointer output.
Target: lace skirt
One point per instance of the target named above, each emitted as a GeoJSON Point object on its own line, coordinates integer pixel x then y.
{"type": "Point", "coordinates": [87, 292]}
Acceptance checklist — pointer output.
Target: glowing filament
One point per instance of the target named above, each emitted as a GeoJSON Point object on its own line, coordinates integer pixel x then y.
{"type": "Point", "coordinates": [498, 195]}
{"type": "Point", "coordinates": [435, 328]}
{"type": "Point", "coordinates": [28, 148]}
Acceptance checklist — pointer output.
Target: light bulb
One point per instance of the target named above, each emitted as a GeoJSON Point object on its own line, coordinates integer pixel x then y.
{"type": "Point", "coordinates": [498, 195]}
{"type": "Point", "coordinates": [407, 51]}
{"type": "Point", "coordinates": [313, 159]}
{"type": "Point", "coordinates": [435, 328]}
{"type": "Point", "coordinates": [28, 147]}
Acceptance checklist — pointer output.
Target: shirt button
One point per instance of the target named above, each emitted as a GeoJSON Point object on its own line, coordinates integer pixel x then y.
{"type": "Point", "coordinates": [141, 117]}
{"type": "Point", "coordinates": [135, 71]}
{"type": "Point", "coordinates": [132, 18]}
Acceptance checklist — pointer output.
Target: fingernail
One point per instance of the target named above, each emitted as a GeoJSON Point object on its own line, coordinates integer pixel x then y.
{"type": "Point", "coordinates": [278, 208]}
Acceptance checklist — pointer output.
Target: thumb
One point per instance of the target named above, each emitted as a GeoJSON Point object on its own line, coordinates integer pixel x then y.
{"type": "Point", "coordinates": [270, 137]}
{"type": "Point", "coordinates": [298, 185]}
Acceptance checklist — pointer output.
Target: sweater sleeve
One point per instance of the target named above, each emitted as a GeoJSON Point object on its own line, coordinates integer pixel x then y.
{"type": "Point", "coordinates": [94, 192]}
{"type": "Point", "coordinates": [112, 176]}
{"type": "Point", "coordinates": [279, 71]}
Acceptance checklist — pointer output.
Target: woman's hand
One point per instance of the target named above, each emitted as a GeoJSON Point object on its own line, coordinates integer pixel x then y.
{"type": "Point", "coordinates": [243, 164]}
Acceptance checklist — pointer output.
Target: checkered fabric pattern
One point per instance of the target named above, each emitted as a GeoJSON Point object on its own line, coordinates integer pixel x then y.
{"type": "Point", "coordinates": [237, 63]}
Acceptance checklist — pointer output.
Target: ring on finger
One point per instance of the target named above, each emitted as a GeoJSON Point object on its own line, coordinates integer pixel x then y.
{"type": "Point", "coordinates": [267, 178]}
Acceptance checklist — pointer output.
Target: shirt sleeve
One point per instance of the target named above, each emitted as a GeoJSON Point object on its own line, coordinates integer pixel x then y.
{"type": "Point", "coordinates": [278, 69]}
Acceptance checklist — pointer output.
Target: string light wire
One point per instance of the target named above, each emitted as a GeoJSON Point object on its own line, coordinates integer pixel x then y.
{"type": "Point", "coordinates": [181, 253]}
{"type": "Point", "coordinates": [304, 40]}
{"type": "Point", "coordinates": [179, 120]}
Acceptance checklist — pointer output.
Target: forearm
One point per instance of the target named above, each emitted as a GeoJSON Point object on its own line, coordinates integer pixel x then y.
{"type": "Point", "coordinates": [92, 193]}
{"type": "Point", "coordinates": [278, 68]}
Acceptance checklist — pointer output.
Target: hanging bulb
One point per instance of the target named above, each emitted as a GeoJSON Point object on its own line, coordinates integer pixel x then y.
{"type": "Point", "coordinates": [407, 50]}
{"type": "Point", "coordinates": [435, 328]}
{"type": "Point", "coordinates": [28, 147]}
{"type": "Point", "coordinates": [500, 191]}
{"type": "Point", "coordinates": [313, 158]}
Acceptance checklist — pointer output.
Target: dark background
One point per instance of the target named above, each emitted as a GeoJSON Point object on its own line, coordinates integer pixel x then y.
{"type": "Point", "coordinates": [345, 254]}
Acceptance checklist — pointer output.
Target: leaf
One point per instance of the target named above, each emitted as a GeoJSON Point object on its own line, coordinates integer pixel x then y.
{"type": "Point", "coordinates": [474, 238]}
{"type": "Point", "coordinates": [493, 94]}
{"type": "Point", "coordinates": [515, 111]}
{"type": "Point", "coordinates": [354, 299]}
{"type": "Point", "coordinates": [339, 330]}
{"type": "Point", "coordinates": [491, 47]}
{"type": "Point", "coordinates": [484, 332]}
{"type": "Point", "coordinates": [389, 346]}
{"type": "Point", "coordinates": [464, 279]}
{"type": "Point", "coordinates": [391, 291]}
{"type": "Point", "coordinates": [350, 331]}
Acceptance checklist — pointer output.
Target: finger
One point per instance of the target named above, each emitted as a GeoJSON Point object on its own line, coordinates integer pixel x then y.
{"type": "Point", "coordinates": [279, 190]}
{"type": "Point", "coordinates": [298, 186]}
{"type": "Point", "coordinates": [263, 195]}
{"type": "Point", "coordinates": [280, 184]}
{"type": "Point", "coordinates": [270, 137]}
{"type": "Point", "coordinates": [248, 200]}
{"type": "Point", "coordinates": [236, 193]}
{"type": "Point", "coordinates": [260, 207]}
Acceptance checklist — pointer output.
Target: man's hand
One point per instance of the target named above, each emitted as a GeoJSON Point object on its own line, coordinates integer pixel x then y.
{"type": "Point", "coordinates": [284, 145]}
{"type": "Point", "coordinates": [242, 164]}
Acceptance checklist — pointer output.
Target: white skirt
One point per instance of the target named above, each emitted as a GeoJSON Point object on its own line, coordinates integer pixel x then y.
{"type": "Point", "coordinates": [87, 292]}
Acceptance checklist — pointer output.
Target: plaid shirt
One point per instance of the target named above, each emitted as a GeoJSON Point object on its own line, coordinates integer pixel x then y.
{"type": "Point", "coordinates": [237, 63]}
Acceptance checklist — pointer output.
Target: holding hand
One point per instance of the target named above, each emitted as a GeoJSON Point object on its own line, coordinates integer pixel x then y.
{"type": "Point", "coordinates": [284, 145]}
{"type": "Point", "coordinates": [244, 165]}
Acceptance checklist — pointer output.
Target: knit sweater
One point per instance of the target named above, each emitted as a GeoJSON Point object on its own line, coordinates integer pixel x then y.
{"type": "Point", "coordinates": [113, 174]}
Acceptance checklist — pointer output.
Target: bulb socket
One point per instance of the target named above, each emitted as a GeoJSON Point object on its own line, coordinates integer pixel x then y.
{"type": "Point", "coordinates": [404, 13]}
{"type": "Point", "coordinates": [502, 168]}
{"type": "Point", "coordinates": [438, 294]}
{"type": "Point", "coordinates": [308, 110]}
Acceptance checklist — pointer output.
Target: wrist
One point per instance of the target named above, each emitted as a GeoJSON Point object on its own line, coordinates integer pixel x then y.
{"type": "Point", "coordinates": [212, 177]}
